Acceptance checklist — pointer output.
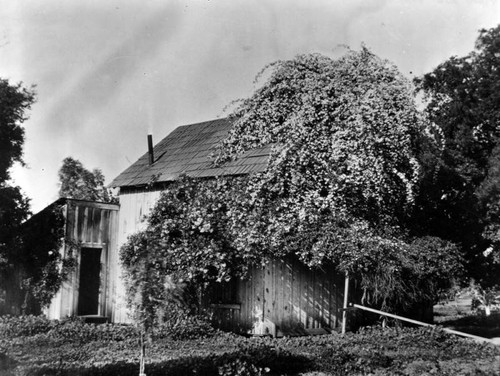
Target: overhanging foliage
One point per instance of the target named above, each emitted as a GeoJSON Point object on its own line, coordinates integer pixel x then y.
{"type": "Point", "coordinates": [350, 148]}
{"type": "Point", "coordinates": [41, 268]}
{"type": "Point", "coordinates": [460, 202]}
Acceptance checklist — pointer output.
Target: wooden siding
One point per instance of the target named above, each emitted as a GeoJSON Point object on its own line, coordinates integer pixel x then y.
{"type": "Point", "coordinates": [88, 225]}
{"type": "Point", "coordinates": [284, 298]}
{"type": "Point", "coordinates": [135, 205]}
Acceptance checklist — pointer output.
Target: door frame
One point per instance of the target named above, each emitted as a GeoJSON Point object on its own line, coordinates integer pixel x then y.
{"type": "Point", "coordinates": [103, 278]}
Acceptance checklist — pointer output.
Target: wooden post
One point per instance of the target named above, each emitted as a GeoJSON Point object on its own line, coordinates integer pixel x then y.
{"type": "Point", "coordinates": [143, 355]}
{"type": "Point", "coordinates": [346, 301]}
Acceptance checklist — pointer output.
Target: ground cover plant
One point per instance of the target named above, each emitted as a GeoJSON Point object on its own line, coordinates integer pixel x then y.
{"type": "Point", "coordinates": [36, 346]}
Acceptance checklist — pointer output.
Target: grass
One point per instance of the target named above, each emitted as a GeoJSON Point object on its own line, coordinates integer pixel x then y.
{"type": "Point", "coordinates": [458, 315]}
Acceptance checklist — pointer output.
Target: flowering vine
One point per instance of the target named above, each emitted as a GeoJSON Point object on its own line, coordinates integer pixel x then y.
{"type": "Point", "coordinates": [349, 149]}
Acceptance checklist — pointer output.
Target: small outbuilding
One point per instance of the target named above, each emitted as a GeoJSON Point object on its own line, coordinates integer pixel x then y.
{"type": "Point", "coordinates": [89, 238]}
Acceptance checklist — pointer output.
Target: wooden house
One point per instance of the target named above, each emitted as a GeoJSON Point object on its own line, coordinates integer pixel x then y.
{"type": "Point", "coordinates": [284, 297]}
{"type": "Point", "coordinates": [89, 236]}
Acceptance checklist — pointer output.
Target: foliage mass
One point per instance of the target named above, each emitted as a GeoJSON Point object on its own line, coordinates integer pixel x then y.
{"type": "Point", "coordinates": [350, 148]}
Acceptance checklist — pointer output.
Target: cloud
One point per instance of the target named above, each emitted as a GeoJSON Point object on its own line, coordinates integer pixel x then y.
{"type": "Point", "coordinates": [104, 69]}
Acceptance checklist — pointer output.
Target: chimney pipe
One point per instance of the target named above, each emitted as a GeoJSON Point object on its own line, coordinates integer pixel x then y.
{"type": "Point", "coordinates": [150, 149]}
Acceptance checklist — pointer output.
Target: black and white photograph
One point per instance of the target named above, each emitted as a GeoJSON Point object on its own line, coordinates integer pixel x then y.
{"type": "Point", "coordinates": [249, 187]}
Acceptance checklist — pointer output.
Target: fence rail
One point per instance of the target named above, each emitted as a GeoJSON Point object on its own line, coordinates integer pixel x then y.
{"type": "Point", "coordinates": [456, 332]}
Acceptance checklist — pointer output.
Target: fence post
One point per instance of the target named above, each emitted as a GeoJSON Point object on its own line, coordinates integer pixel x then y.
{"type": "Point", "coordinates": [346, 300]}
{"type": "Point", "coordinates": [143, 355]}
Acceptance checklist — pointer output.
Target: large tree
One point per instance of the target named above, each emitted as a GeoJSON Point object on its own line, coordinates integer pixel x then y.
{"type": "Point", "coordinates": [15, 101]}
{"type": "Point", "coordinates": [460, 201]}
{"type": "Point", "coordinates": [82, 184]}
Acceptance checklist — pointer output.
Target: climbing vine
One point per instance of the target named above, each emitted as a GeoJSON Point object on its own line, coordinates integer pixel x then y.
{"type": "Point", "coordinates": [188, 240]}
{"type": "Point", "coordinates": [43, 268]}
{"type": "Point", "coordinates": [349, 150]}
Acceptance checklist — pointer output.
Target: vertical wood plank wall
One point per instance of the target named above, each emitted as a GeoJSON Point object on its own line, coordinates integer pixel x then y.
{"type": "Point", "coordinates": [285, 298]}
{"type": "Point", "coordinates": [284, 294]}
{"type": "Point", "coordinates": [88, 225]}
{"type": "Point", "coordinates": [134, 206]}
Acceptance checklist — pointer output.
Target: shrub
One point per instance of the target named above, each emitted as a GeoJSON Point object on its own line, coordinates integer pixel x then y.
{"type": "Point", "coordinates": [76, 328]}
{"type": "Point", "coordinates": [188, 327]}
{"type": "Point", "coordinates": [241, 368]}
{"type": "Point", "coordinates": [16, 326]}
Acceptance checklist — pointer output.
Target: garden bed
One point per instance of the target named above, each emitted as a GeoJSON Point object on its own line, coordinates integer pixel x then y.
{"type": "Point", "coordinates": [74, 348]}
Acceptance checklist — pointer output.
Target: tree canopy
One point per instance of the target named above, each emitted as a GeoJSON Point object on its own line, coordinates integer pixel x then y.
{"type": "Point", "coordinates": [79, 183]}
{"type": "Point", "coordinates": [350, 148]}
{"type": "Point", "coordinates": [460, 202]}
{"type": "Point", "coordinates": [15, 102]}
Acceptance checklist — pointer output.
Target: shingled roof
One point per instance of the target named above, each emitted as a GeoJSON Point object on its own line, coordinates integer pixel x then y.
{"type": "Point", "coordinates": [186, 151]}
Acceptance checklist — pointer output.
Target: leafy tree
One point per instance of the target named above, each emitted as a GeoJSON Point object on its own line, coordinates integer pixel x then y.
{"type": "Point", "coordinates": [350, 148]}
{"type": "Point", "coordinates": [15, 101]}
{"type": "Point", "coordinates": [459, 201]}
{"type": "Point", "coordinates": [40, 265]}
{"type": "Point", "coordinates": [79, 183]}
{"type": "Point", "coordinates": [14, 209]}
{"type": "Point", "coordinates": [489, 193]}
{"type": "Point", "coordinates": [31, 268]}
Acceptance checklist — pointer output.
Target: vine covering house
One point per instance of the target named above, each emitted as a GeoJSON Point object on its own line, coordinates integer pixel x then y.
{"type": "Point", "coordinates": [285, 296]}
{"type": "Point", "coordinates": [323, 164]}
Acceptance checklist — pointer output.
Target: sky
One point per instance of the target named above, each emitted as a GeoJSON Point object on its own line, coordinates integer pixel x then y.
{"type": "Point", "coordinates": [109, 72]}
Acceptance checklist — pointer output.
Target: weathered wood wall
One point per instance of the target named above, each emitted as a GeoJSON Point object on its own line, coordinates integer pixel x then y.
{"type": "Point", "coordinates": [284, 298]}
{"type": "Point", "coordinates": [135, 204]}
{"type": "Point", "coordinates": [88, 225]}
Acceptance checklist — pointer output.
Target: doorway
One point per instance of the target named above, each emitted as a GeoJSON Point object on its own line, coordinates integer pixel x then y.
{"type": "Point", "coordinates": [90, 281]}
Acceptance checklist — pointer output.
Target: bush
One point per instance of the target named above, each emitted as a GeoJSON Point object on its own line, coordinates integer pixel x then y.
{"type": "Point", "coordinates": [16, 326]}
{"type": "Point", "coordinates": [189, 327]}
{"type": "Point", "coordinates": [241, 368]}
{"type": "Point", "coordinates": [76, 328]}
